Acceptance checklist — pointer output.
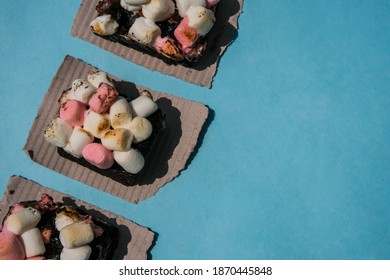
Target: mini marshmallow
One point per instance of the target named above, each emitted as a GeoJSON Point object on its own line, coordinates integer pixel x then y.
{"type": "Point", "coordinates": [79, 253]}
{"type": "Point", "coordinates": [143, 106]}
{"type": "Point", "coordinates": [57, 132]}
{"type": "Point", "coordinates": [104, 97]}
{"type": "Point", "coordinates": [98, 155]}
{"type": "Point", "coordinates": [76, 235]}
{"type": "Point", "coordinates": [96, 124]}
{"type": "Point", "coordinates": [77, 141]}
{"type": "Point", "coordinates": [184, 5]}
{"type": "Point", "coordinates": [130, 7]}
{"type": "Point", "coordinates": [96, 77]}
{"type": "Point", "coordinates": [104, 25]}
{"type": "Point", "coordinates": [211, 3]}
{"type": "Point", "coordinates": [23, 220]}
{"type": "Point", "coordinates": [136, 2]}
{"type": "Point", "coordinates": [33, 243]}
{"type": "Point", "coordinates": [200, 19]}
{"type": "Point", "coordinates": [158, 10]}
{"type": "Point", "coordinates": [72, 112]}
{"type": "Point", "coordinates": [120, 113]}
{"type": "Point", "coordinates": [132, 160]}
{"type": "Point", "coordinates": [62, 220]}
{"type": "Point", "coordinates": [117, 139]}
{"type": "Point", "coordinates": [82, 90]}
{"type": "Point", "coordinates": [11, 247]}
{"type": "Point", "coordinates": [141, 128]}
{"type": "Point", "coordinates": [168, 47]}
{"type": "Point", "coordinates": [144, 31]}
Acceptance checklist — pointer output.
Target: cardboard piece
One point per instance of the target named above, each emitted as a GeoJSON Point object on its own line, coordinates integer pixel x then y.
{"type": "Point", "coordinates": [202, 73]}
{"type": "Point", "coordinates": [134, 241]}
{"type": "Point", "coordinates": [184, 122]}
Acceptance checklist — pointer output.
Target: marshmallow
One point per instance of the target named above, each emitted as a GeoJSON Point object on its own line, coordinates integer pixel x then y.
{"type": "Point", "coordinates": [65, 96]}
{"type": "Point", "coordinates": [120, 113]}
{"type": "Point", "coordinates": [79, 253]}
{"type": "Point", "coordinates": [62, 220]}
{"type": "Point", "coordinates": [185, 35]}
{"type": "Point", "coordinates": [211, 3]}
{"type": "Point", "coordinates": [144, 31]}
{"type": "Point", "coordinates": [117, 139]}
{"type": "Point", "coordinates": [104, 97]}
{"type": "Point", "coordinates": [130, 7]}
{"type": "Point", "coordinates": [77, 141]}
{"type": "Point", "coordinates": [23, 220]}
{"type": "Point", "coordinates": [141, 128]}
{"type": "Point", "coordinates": [10, 246]}
{"type": "Point", "coordinates": [104, 25]}
{"type": "Point", "coordinates": [184, 5]}
{"type": "Point", "coordinates": [143, 106]}
{"type": "Point", "coordinates": [158, 10]}
{"type": "Point", "coordinates": [33, 243]}
{"type": "Point", "coordinates": [200, 19]}
{"type": "Point", "coordinates": [168, 48]}
{"type": "Point", "coordinates": [98, 155]}
{"type": "Point", "coordinates": [76, 235]}
{"type": "Point", "coordinates": [72, 112]}
{"type": "Point", "coordinates": [82, 90]}
{"type": "Point", "coordinates": [136, 2]}
{"type": "Point", "coordinates": [96, 77]}
{"type": "Point", "coordinates": [57, 132]}
{"type": "Point", "coordinates": [96, 124]}
{"type": "Point", "coordinates": [132, 160]}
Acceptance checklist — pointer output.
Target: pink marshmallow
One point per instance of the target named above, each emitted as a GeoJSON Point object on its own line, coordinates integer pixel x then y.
{"type": "Point", "coordinates": [104, 97]}
{"type": "Point", "coordinates": [211, 3]}
{"type": "Point", "coordinates": [185, 34]}
{"type": "Point", "coordinates": [11, 247]}
{"type": "Point", "coordinates": [98, 155]}
{"type": "Point", "coordinates": [72, 112]}
{"type": "Point", "coordinates": [168, 47]}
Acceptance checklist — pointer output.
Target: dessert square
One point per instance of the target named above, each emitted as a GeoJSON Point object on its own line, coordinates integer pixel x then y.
{"type": "Point", "coordinates": [132, 241]}
{"type": "Point", "coordinates": [199, 70]}
{"type": "Point", "coordinates": [178, 124]}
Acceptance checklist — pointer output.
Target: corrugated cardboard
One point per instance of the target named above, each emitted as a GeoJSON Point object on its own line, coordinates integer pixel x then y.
{"type": "Point", "coordinates": [169, 156]}
{"type": "Point", "coordinates": [134, 241]}
{"type": "Point", "coordinates": [222, 35]}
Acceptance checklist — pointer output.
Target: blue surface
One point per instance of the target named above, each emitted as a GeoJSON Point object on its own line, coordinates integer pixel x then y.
{"type": "Point", "coordinates": [295, 163]}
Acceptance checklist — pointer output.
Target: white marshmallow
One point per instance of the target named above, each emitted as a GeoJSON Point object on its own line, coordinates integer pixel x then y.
{"type": "Point", "coordinates": [96, 124]}
{"type": "Point", "coordinates": [132, 160]}
{"type": "Point", "coordinates": [184, 5]}
{"type": "Point", "coordinates": [79, 253]}
{"type": "Point", "coordinates": [76, 235]}
{"type": "Point", "coordinates": [33, 242]}
{"type": "Point", "coordinates": [130, 7]}
{"type": "Point", "coordinates": [104, 25]}
{"type": "Point", "coordinates": [117, 139]}
{"type": "Point", "coordinates": [158, 10]}
{"type": "Point", "coordinates": [82, 90]}
{"type": "Point", "coordinates": [143, 106]}
{"type": "Point", "coordinates": [200, 19]}
{"type": "Point", "coordinates": [144, 31]}
{"type": "Point", "coordinates": [77, 141]}
{"type": "Point", "coordinates": [141, 128]}
{"type": "Point", "coordinates": [58, 132]}
{"type": "Point", "coordinates": [23, 220]}
{"type": "Point", "coordinates": [62, 220]}
{"type": "Point", "coordinates": [96, 77]}
{"type": "Point", "coordinates": [120, 113]}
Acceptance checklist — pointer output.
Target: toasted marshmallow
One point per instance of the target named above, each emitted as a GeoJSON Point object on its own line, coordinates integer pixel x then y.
{"type": "Point", "coordinates": [143, 106]}
{"type": "Point", "coordinates": [141, 128]}
{"type": "Point", "coordinates": [144, 31]}
{"type": "Point", "coordinates": [77, 141]}
{"type": "Point", "coordinates": [158, 10]}
{"type": "Point", "coordinates": [57, 132]}
{"type": "Point", "coordinates": [96, 77]}
{"type": "Point", "coordinates": [82, 90]}
{"type": "Point", "coordinates": [120, 113]}
{"type": "Point", "coordinates": [62, 220]}
{"type": "Point", "coordinates": [79, 253]}
{"type": "Point", "coordinates": [96, 124]}
{"type": "Point", "coordinates": [33, 242]}
{"type": "Point", "coordinates": [117, 139]}
{"type": "Point", "coordinates": [184, 5]}
{"type": "Point", "coordinates": [104, 25]}
{"type": "Point", "coordinates": [76, 235]}
{"type": "Point", "coordinates": [23, 220]}
{"type": "Point", "coordinates": [130, 7]}
{"type": "Point", "coordinates": [200, 19]}
{"type": "Point", "coordinates": [132, 160]}
{"type": "Point", "coordinates": [168, 47]}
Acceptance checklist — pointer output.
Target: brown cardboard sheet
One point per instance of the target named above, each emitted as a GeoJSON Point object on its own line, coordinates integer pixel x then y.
{"type": "Point", "coordinates": [202, 73]}
{"type": "Point", "coordinates": [170, 155]}
{"type": "Point", "coordinates": [134, 241]}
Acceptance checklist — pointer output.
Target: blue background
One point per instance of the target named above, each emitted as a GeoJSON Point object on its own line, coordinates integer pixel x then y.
{"type": "Point", "coordinates": [295, 163]}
